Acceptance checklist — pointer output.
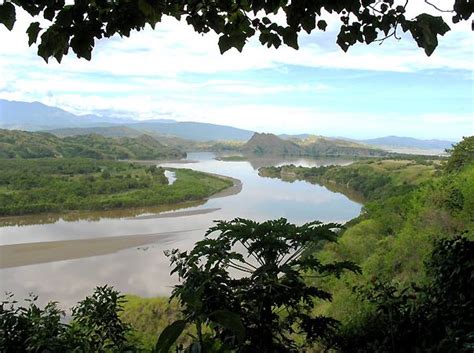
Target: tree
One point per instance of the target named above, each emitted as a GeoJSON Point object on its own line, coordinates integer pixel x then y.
{"type": "Point", "coordinates": [245, 289]}
{"type": "Point", "coordinates": [462, 154]}
{"type": "Point", "coordinates": [435, 317]}
{"type": "Point", "coordinates": [95, 326]}
{"type": "Point", "coordinates": [79, 24]}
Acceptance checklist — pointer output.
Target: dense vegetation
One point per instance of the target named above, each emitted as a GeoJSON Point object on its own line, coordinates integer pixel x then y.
{"type": "Point", "coordinates": [22, 144]}
{"type": "Point", "coordinates": [410, 207]}
{"type": "Point", "coordinates": [95, 326]}
{"type": "Point", "coordinates": [258, 301]}
{"type": "Point", "coordinates": [434, 316]}
{"type": "Point", "coordinates": [66, 184]}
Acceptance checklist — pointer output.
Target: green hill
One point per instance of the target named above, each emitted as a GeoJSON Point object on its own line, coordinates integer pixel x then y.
{"type": "Point", "coordinates": [21, 144]}
{"type": "Point", "coordinates": [106, 131]}
{"type": "Point", "coordinates": [272, 145]}
{"type": "Point", "coordinates": [314, 146]}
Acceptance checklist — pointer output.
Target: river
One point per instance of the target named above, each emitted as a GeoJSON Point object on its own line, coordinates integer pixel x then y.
{"type": "Point", "coordinates": [63, 257]}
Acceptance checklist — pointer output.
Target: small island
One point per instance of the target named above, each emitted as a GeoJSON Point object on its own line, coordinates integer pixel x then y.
{"type": "Point", "coordinates": [29, 186]}
{"type": "Point", "coordinates": [232, 158]}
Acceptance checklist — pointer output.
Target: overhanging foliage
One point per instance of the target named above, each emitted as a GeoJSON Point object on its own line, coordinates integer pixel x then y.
{"type": "Point", "coordinates": [78, 25]}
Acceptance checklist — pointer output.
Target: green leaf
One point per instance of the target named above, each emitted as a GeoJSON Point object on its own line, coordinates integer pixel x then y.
{"type": "Point", "coordinates": [425, 30]}
{"type": "Point", "coordinates": [230, 321]}
{"type": "Point", "coordinates": [7, 15]}
{"type": "Point", "coordinates": [322, 25]}
{"type": "Point", "coordinates": [225, 43]}
{"type": "Point", "coordinates": [370, 34]}
{"type": "Point", "coordinates": [290, 37]}
{"type": "Point", "coordinates": [169, 336]}
{"type": "Point", "coordinates": [49, 13]}
{"type": "Point", "coordinates": [146, 8]}
{"type": "Point", "coordinates": [32, 31]}
{"type": "Point", "coordinates": [308, 23]}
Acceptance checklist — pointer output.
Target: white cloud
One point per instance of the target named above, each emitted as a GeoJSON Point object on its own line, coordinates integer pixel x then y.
{"type": "Point", "coordinates": [144, 74]}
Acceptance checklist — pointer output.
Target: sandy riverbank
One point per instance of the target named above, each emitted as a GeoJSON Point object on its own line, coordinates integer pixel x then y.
{"type": "Point", "coordinates": [50, 251]}
{"type": "Point", "coordinates": [233, 190]}
{"type": "Point", "coordinates": [175, 214]}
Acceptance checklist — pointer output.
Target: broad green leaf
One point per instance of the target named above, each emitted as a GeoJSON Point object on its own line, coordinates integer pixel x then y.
{"type": "Point", "coordinates": [225, 43]}
{"type": "Point", "coordinates": [370, 34]}
{"type": "Point", "coordinates": [308, 23]}
{"type": "Point", "coordinates": [7, 15]}
{"type": "Point", "coordinates": [425, 30]}
{"type": "Point", "coordinates": [169, 336]}
{"type": "Point", "coordinates": [146, 8]}
{"type": "Point", "coordinates": [290, 38]}
{"type": "Point", "coordinates": [322, 25]}
{"type": "Point", "coordinates": [32, 32]}
{"type": "Point", "coordinates": [230, 321]}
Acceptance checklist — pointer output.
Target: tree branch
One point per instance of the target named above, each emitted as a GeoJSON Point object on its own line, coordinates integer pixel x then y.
{"type": "Point", "coordinates": [437, 8]}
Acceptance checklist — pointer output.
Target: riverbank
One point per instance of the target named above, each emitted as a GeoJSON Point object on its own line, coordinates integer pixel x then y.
{"type": "Point", "coordinates": [14, 255]}
{"type": "Point", "coordinates": [361, 181]}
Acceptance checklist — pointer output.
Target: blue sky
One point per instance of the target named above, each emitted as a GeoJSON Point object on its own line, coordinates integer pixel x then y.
{"type": "Point", "coordinates": [172, 72]}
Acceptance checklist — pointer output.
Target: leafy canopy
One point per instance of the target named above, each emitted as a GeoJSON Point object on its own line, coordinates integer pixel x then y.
{"type": "Point", "coordinates": [434, 317]}
{"type": "Point", "coordinates": [77, 25]}
{"type": "Point", "coordinates": [462, 154]}
{"type": "Point", "coordinates": [246, 286]}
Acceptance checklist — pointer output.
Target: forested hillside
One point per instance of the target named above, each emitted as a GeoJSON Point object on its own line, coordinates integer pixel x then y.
{"type": "Point", "coordinates": [22, 144]}
{"type": "Point", "coordinates": [409, 208]}
{"type": "Point", "coordinates": [269, 144]}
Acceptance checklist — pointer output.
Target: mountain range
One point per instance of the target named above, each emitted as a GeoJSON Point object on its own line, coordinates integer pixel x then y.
{"type": "Point", "coordinates": [36, 116]}
{"type": "Point", "coordinates": [39, 117]}
{"type": "Point", "coordinates": [395, 142]}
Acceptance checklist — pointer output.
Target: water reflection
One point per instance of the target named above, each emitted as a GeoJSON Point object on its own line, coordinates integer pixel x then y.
{"type": "Point", "coordinates": [92, 216]}
{"type": "Point", "coordinates": [146, 273]}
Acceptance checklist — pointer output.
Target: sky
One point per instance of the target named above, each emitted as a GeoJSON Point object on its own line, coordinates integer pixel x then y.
{"type": "Point", "coordinates": [174, 73]}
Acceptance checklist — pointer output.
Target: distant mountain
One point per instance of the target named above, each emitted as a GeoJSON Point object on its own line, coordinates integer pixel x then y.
{"type": "Point", "coordinates": [37, 116]}
{"type": "Point", "coordinates": [195, 131]}
{"type": "Point", "coordinates": [22, 144]}
{"type": "Point", "coordinates": [269, 144]}
{"type": "Point", "coordinates": [409, 142]}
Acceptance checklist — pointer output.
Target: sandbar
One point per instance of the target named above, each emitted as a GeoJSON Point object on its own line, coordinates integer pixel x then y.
{"type": "Point", "coordinates": [41, 252]}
